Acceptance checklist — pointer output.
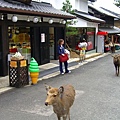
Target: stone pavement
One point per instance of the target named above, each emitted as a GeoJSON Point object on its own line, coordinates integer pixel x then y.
{"type": "Point", "coordinates": [52, 69]}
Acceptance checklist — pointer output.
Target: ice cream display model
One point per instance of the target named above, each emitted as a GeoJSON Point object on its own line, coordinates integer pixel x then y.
{"type": "Point", "coordinates": [34, 71]}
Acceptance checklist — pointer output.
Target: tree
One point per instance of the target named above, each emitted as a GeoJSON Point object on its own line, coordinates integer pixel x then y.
{"type": "Point", "coordinates": [70, 31]}
{"type": "Point", "coordinates": [67, 7]}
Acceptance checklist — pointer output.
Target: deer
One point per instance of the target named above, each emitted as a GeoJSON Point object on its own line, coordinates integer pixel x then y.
{"type": "Point", "coordinates": [61, 99]}
{"type": "Point", "coordinates": [116, 61]}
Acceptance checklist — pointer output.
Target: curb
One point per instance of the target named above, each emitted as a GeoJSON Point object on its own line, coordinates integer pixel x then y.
{"type": "Point", "coordinates": [90, 59]}
{"type": "Point", "coordinates": [94, 56]}
{"type": "Point", "coordinates": [75, 66]}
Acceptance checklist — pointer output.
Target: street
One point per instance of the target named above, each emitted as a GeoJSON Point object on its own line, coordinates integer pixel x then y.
{"type": "Point", "coordinates": [97, 95]}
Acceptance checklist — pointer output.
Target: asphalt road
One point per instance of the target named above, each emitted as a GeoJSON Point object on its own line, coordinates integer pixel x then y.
{"type": "Point", "coordinates": [97, 95]}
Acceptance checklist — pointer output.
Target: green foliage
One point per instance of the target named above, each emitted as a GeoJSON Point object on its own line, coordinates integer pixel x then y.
{"type": "Point", "coordinates": [118, 4]}
{"type": "Point", "coordinates": [67, 7]}
{"type": "Point", "coordinates": [71, 31]}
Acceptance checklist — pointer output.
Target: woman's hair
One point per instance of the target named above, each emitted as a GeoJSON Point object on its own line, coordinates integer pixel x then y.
{"type": "Point", "coordinates": [59, 41]}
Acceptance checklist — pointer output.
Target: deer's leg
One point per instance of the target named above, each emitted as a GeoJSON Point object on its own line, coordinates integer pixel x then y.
{"type": "Point", "coordinates": [69, 115]}
{"type": "Point", "coordinates": [65, 117]}
{"type": "Point", "coordinates": [58, 117]}
{"type": "Point", "coordinates": [118, 70]}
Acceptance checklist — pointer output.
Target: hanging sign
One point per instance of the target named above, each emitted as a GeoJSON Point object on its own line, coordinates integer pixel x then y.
{"type": "Point", "coordinates": [42, 37]}
{"type": "Point", "coordinates": [9, 57]}
{"type": "Point", "coordinates": [102, 33]}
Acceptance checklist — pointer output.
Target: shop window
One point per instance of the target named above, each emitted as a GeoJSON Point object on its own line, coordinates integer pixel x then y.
{"type": "Point", "coordinates": [91, 38]}
{"type": "Point", "coordinates": [72, 37]}
{"type": "Point", "coordinates": [76, 35]}
{"type": "Point", "coordinates": [19, 41]}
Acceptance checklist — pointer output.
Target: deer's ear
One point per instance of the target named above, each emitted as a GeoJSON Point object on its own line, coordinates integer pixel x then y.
{"type": "Point", "coordinates": [61, 89]}
{"type": "Point", "coordinates": [47, 87]}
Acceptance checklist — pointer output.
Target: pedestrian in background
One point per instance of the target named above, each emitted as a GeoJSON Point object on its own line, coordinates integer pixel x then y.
{"type": "Point", "coordinates": [61, 51]}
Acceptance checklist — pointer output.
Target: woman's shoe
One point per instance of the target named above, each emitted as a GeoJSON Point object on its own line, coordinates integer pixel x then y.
{"type": "Point", "coordinates": [62, 73]}
{"type": "Point", "coordinates": [68, 71]}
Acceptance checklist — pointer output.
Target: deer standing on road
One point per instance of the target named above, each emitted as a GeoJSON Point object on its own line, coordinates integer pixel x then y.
{"type": "Point", "coordinates": [116, 61]}
{"type": "Point", "coordinates": [61, 99]}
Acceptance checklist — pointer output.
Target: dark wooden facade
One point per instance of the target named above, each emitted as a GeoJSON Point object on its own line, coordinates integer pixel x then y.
{"type": "Point", "coordinates": [109, 20]}
{"type": "Point", "coordinates": [39, 50]}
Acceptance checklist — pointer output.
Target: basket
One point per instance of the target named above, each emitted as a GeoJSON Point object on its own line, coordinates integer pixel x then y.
{"type": "Point", "coordinates": [17, 58]}
{"type": "Point", "coordinates": [18, 73]}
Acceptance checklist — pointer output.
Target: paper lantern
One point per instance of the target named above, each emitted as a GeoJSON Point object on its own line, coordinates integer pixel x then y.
{"type": "Point", "coordinates": [14, 18]}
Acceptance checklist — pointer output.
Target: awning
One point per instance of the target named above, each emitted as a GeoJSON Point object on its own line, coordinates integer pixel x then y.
{"type": "Point", "coordinates": [102, 33]}
{"type": "Point", "coordinates": [35, 8]}
{"type": "Point", "coordinates": [113, 30]}
{"type": "Point", "coordinates": [88, 17]}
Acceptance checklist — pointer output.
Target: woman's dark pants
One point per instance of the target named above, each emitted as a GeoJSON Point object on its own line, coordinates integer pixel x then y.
{"type": "Point", "coordinates": [61, 68]}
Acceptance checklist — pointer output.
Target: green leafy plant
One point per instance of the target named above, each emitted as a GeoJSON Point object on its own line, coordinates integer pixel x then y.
{"type": "Point", "coordinates": [118, 4]}
{"type": "Point", "coordinates": [67, 7]}
{"type": "Point", "coordinates": [71, 31]}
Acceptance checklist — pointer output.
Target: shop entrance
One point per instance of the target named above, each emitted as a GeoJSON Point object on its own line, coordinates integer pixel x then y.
{"type": "Point", "coordinates": [51, 42]}
{"type": "Point", "coordinates": [19, 41]}
{"type": "Point", "coordinates": [55, 33]}
{"type": "Point", "coordinates": [44, 45]}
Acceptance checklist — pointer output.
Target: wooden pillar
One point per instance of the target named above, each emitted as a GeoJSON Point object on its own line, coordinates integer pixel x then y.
{"type": "Point", "coordinates": [59, 34]}
{"type": "Point", "coordinates": [35, 43]}
{"type": "Point", "coordinates": [112, 38]}
{"type": "Point", "coordinates": [4, 47]}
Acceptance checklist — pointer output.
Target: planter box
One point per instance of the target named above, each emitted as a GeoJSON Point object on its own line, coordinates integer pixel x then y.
{"type": "Point", "coordinates": [18, 73]}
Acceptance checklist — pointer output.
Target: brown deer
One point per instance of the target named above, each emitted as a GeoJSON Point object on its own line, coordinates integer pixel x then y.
{"type": "Point", "coordinates": [116, 61]}
{"type": "Point", "coordinates": [61, 99]}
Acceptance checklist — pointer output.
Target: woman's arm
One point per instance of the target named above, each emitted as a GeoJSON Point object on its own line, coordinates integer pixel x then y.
{"type": "Point", "coordinates": [61, 50]}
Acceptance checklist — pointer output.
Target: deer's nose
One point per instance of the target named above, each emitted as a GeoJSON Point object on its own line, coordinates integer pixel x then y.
{"type": "Point", "coordinates": [46, 103]}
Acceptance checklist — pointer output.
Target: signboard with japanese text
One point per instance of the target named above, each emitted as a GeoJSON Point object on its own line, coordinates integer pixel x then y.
{"type": "Point", "coordinates": [42, 37]}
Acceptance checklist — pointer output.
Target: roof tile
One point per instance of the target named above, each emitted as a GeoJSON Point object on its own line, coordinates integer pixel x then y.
{"type": "Point", "coordinates": [34, 7]}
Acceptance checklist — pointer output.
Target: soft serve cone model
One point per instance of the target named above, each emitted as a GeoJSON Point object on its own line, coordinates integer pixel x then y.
{"type": "Point", "coordinates": [34, 71]}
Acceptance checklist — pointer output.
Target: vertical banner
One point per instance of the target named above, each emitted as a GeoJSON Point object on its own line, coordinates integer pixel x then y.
{"type": "Point", "coordinates": [42, 37]}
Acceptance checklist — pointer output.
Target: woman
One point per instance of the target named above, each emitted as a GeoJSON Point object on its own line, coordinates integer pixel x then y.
{"type": "Point", "coordinates": [61, 51]}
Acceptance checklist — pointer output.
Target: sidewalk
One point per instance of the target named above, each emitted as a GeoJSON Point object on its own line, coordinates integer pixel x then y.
{"type": "Point", "coordinates": [49, 70]}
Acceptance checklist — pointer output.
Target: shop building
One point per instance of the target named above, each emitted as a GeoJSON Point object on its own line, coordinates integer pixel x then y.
{"type": "Point", "coordinates": [111, 38]}
{"type": "Point", "coordinates": [32, 29]}
{"type": "Point", "coordinates": [86, 26]}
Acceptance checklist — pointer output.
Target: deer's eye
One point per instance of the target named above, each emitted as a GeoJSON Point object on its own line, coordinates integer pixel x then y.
{"type": "Point", "coordinates": [47, 94]}
{"type": "Point", "coordinates": [54, 95]}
